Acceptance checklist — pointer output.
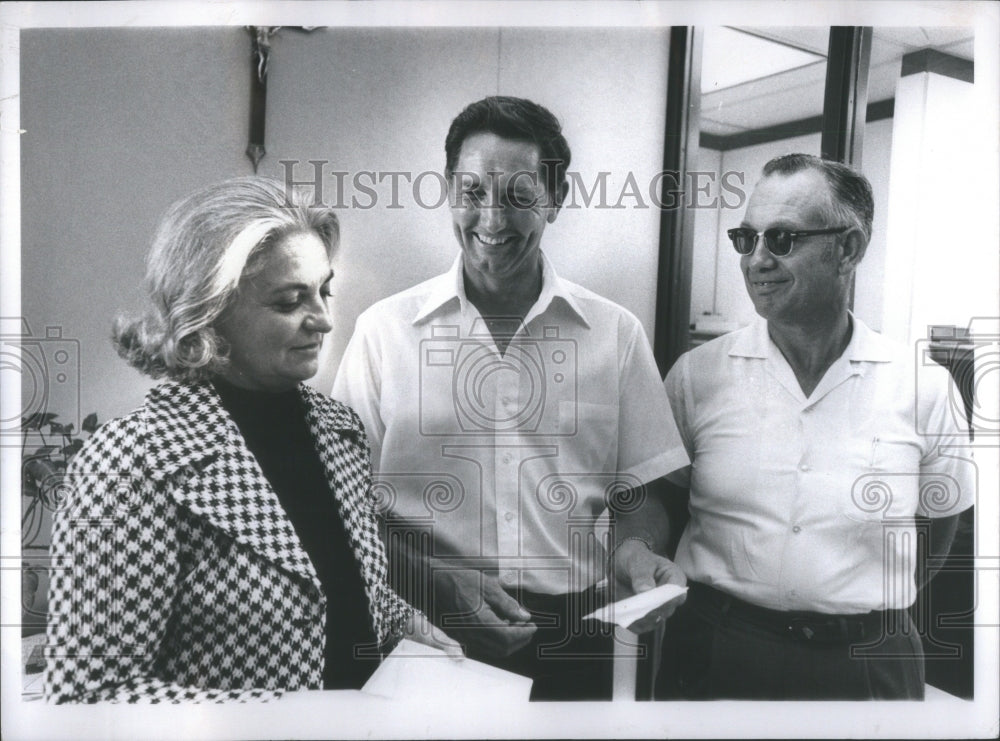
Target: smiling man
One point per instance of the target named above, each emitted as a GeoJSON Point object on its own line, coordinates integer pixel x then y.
{"type": "Point", "coordinates": [507, 409]}
{"type": "Point", "coordinates": [815, 458]}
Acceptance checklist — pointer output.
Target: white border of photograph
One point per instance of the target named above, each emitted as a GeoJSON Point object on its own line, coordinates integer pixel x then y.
{"type": "Point", "coordinates": [325, 715]}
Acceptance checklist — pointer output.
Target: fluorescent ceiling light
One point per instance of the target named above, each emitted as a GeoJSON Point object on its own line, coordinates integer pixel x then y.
{"type": "Point", "coordinates": [732, 57]}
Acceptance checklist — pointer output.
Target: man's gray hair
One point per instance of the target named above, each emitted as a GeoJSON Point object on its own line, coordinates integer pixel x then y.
{"type": "Point", "coordinates": [204, 245]}
{"type": "Point", "coordinates": [852, 201]}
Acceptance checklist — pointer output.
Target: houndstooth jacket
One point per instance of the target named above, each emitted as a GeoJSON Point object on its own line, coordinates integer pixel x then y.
{"type": "Point", "coordinates": [176, 573]}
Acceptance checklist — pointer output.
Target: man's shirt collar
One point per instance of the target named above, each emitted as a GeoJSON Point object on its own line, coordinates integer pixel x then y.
{"type": "Point", "coordinates": [865, 345]}
{"type": "Point", "coordinates": [443, 289]}
{"type": "Point", "coordinates": [451, 287]}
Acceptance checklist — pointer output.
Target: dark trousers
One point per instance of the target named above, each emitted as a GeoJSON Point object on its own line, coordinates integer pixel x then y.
{"type": "Point", "coordinates": [718, 647]}
{"type": "Point", "coordinates": [568, 658]}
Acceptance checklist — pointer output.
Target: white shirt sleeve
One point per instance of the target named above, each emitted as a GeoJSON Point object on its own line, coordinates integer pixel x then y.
{"type": "Point", "coordinates": [359, 383]}
{"type": "Point", "coordinates": [948, 472]}
{"type": "Point", "coordinates": [676, 385]}
{"type": "Point", "coordinates": [649, 444]}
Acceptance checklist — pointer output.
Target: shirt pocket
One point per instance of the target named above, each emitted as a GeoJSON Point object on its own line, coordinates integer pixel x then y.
{"type": "Point", "coordinates": [889, 482]}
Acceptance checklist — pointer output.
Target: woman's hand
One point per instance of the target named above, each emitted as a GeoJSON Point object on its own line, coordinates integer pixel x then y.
{"type": "Point", "coordinates": [420, 629]}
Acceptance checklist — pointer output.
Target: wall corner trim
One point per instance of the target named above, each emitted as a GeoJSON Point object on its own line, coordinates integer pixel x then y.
{"type": "Point", "coordinates": [932, 60]}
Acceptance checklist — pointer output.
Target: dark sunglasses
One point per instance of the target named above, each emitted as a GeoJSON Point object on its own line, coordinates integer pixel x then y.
{"type": "Point", "coordinates": [778, 241]}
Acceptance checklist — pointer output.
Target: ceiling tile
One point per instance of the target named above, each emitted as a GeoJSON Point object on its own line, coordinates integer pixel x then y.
{"type": "Point", "coordinates": [732, 57]}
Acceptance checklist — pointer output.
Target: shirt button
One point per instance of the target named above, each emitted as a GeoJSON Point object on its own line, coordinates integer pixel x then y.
{"type": "Point", "coordinates": [509, 516]}
{"type": "Point", "coordinates": [805, 467]}
{"type": "Point", "coordinates": [796, 529]}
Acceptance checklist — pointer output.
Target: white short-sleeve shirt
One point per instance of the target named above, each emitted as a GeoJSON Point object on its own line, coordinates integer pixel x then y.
{"type": "Point", "coordinates": [808, 503]}
{"type": "Point", "coordinates": [508, 459]}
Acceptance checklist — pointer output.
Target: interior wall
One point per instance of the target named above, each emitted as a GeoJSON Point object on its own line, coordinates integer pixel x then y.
{"type": "Point", "coordinates": [942, 234]}
{"type": "Point", "coordinates": [871, 279]}
{"type": "Point", "coordinates": [381, 100]}
{"type": "Point", "coordinates": [705, 252]}
{"type": "Point", "coordinates": [118, 123]}
{"type": "Point", "coordinates": [122, 122]}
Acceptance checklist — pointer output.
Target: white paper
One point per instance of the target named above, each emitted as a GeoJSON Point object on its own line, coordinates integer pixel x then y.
{"type": "Point", "coordinates": [626, 611]}
{"type": "Point", "coordinates": [414, 672]}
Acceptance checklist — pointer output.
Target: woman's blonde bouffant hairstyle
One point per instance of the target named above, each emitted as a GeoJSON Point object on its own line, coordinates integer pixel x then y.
{"type": "Point", "coordinates": [204, 244]}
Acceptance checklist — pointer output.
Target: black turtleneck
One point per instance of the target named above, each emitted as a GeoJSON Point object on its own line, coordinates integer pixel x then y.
{"type": "Point", "coordinates": [275, 429]}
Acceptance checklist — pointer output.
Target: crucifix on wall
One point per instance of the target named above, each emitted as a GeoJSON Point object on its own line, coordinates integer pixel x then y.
{"type": "Point", "coordinates": [261, 58]}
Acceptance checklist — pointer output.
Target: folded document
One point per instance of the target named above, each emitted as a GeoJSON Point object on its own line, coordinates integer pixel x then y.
{"type": "Point", "coordinates": [414, 672]}
{"type": "Point", "coordinates": [626, 611]}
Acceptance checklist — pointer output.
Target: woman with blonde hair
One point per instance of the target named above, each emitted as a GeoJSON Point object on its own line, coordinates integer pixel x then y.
{"type": "Point", "coordinates": [221, 541]}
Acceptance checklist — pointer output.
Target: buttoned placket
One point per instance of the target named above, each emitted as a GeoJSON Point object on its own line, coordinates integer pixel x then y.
{"type": "Point", "coordinates": [510, 453]}
{"type": "Point", "coordinates": [836, 375]}
{"type": "Point", "coordinates": [504, 471]}
{"type": "Point", "coordinates": [506, 464]}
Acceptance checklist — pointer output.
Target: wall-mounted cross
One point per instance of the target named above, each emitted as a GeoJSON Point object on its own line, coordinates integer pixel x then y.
{"type": "Point", "coordinates": [261, 57]}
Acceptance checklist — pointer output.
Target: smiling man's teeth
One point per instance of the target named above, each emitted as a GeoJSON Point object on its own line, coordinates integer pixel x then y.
{"type": "Point", "coordinates": [491, 240]}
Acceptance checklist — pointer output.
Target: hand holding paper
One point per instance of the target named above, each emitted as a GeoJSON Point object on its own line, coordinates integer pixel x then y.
{"type": "Point", "coordinates": [421, 630]}
{"type": "Point", "coordinates": [637, 570]}
{"type": "Point", "coordinates": [628, 612]}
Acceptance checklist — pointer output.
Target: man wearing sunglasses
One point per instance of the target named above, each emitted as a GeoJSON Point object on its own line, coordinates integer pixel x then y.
{"type": "Point", "coordinates": [815, 460]}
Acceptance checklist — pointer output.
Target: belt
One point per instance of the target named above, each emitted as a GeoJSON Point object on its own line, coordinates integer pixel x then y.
{"type": "Point", "coordinates": [809, 627]}
{"type": "Point", "coordinates": [574, 604]}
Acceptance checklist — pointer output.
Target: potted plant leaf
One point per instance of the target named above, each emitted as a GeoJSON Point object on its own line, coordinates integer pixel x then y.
{"type": "Point", "coordinates": [43, 472]}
